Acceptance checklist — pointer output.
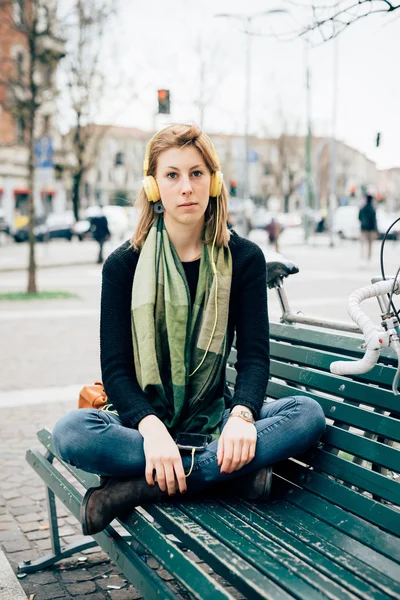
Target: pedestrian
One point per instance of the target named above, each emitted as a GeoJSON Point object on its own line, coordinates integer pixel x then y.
{"type": "Point", "coordinates": [274, 229]}
{"type": "Point", "coordinates": [367, 218]}
{"type": "Point", "coordinates": [101, 233]}
{"type": "Point", "coordinates": [172, 299]}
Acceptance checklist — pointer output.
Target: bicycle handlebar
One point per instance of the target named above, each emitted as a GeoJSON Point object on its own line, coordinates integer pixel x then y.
{"type": "Point", "coordinates": [374, 337]}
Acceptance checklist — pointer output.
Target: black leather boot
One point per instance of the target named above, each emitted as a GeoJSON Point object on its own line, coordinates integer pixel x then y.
{"type": "Point", "coordinates": [252, 486]}
{"type": "Point", "coordinates": [115, 497]}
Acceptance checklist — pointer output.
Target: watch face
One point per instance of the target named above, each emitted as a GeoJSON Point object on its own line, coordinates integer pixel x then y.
{"type": "Point", "coordinates": [247, 414]}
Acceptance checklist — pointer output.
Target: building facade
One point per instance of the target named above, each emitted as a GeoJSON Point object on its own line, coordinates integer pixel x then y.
{"type": "Point", "coordinates": [276, 168]}
{"type": "Point", "coordinates": [15, 19]}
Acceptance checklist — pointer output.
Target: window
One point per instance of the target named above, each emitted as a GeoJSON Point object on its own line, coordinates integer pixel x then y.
{"type": "Point", "coordinates": [20, 130]}
{"type": "Point", "coordinates": [18, 12]}
{"type": "Point", "coordinates": [46, 125]}
{"type": "Point", "coordinates": [20, 66]}
{"type": "Point", "coordinates": [119, 159]}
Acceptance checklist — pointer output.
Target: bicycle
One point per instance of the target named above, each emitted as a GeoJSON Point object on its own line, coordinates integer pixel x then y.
{"type": "Point", "coordinates": [382, 288]}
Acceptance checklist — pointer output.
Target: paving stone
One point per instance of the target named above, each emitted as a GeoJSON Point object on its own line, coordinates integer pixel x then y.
{"type": "Point", "coordinates": [81, 588]}
{"type": "Point", "coordinates": [43, 544]}
{"type": "Point", "coordinates": [43, 577]}
{"type": "Point", "coordinates": [152, 563]}
{"type": "Point", "coordinates": [25, 527]}
{"type": "Point", "coordinates": [10, 494]}
{"type": "Point", "coordinates": [164, 575]}
{"type": "Point", "coordinates": [67, 530]}
{"type": "Point", "coordinates": [7, 525]}
{"type": "Point", "coordinates": [16, 545]}
{"type": "Point", "coordinates": [38, 535]}
{"type": "Point", "coordinates": [44, 592]}
{"type": "Point", "coordinates": [75, 575]}
{"type": "Point", "coordinates": [24, 517]}
{"type": "Point", "coordinates": [18, 502]}
{"type": "Point", "coordinates": [104, 583]}
{"type": "Point", "coordinates": [9, 534]}
{"type": "Point", "coordinates": [127, 594]}
{"type": "Point", "coordinates": [5, 518]}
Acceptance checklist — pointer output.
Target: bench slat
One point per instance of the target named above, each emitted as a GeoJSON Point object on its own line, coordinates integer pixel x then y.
{"type": "Point", "coordinates": [306, 545]}
{"type": "Point", "coordinates": [370, 450]}
{"type": "Point", "coordinates": [356, 475]}
{"type": "Point", "coordinates": [334, 492]}
{"type": "Point", "coordinates": [323, 339]}
{"type": "Point", "coordinates": [336, 546]}
{"type": "Point", "coordinates": [296, 556]}
{"type": "Point", "coordinates": [336, 518]}
{"type": "Point", "coordinates": [337, 386]}
{"type": "Point", "coordinates": [247, 579]}
{"type": "Point", "coordinates": [321, 359]}
{"type": "Point", "coordinates": [339, 410]}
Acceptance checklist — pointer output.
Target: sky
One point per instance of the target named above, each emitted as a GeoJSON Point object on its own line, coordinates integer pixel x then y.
{"type": "Point", "coordinates": [157, 44]}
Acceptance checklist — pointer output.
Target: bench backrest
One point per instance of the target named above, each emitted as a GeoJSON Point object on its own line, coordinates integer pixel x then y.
{"type": "Point", "coordinates": [356, 464]}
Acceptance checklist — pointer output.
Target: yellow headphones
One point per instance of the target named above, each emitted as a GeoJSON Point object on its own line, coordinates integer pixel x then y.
{"type": "Point", "coordinates": [150, 184]}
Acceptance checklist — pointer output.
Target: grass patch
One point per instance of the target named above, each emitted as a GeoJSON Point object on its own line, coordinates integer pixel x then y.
{"type": "Point", "coordinates": [57, 295]}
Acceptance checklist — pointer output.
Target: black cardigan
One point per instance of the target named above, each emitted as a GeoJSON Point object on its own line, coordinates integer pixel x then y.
{"type": "Point", "coordinates": [248, 316]}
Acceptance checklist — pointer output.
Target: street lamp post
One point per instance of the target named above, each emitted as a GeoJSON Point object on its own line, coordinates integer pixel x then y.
{"type": "Point", "coordinates": [332, 191]}
{"type": "Point", "coordinates": [247, 21]}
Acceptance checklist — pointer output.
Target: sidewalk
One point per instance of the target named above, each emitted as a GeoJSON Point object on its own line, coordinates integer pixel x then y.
{"type": "Point", "coordinates": [10, 588]}
{"type": "Point", "coordinates": [60, 253]}
{"type": "Point", "coordinates": [57, 253]}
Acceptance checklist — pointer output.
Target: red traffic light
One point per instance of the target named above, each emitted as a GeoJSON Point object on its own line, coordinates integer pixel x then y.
{"type": "Point", "coordinates": [163, 102]}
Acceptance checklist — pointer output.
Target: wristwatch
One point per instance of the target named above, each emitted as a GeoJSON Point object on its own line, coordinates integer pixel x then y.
{"type": "Point", "coordinates": [246, 415]}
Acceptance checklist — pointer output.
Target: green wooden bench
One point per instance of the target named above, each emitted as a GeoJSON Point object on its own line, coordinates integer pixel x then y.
{"type": "Point", "coordinates": [331, 528]}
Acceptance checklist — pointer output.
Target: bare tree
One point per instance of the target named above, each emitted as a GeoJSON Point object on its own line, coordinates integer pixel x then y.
{"type": "Point", "coordinates": [329, 19]}
{"type": "Point", "coordinates": [212, 72]}
{"type": "Point", "coordinates": [25, 85]}
{"type": "Point", "coordinates": [86, 84]}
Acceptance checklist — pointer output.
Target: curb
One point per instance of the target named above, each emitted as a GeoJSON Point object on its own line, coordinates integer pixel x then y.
{"type": "Point", "coordinates": [10, 588]}
{"type": "Point", "coordinates": [49, 266]}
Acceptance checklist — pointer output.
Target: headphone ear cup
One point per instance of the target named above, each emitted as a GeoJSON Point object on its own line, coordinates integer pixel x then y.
{"type": "Point", "coordinates": [216, 184]}
{"type": "Point", "coordinates": [151, 189]}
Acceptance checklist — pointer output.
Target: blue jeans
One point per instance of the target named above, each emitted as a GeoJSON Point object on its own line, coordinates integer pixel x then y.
{"type": "Point", "coordinates": [97, 442]}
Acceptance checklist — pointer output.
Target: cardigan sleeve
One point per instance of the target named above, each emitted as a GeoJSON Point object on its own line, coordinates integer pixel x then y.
{"type": "Point", "coordinates": [116, 347]}
{"type": "Point", "coordinates": [252, 335]}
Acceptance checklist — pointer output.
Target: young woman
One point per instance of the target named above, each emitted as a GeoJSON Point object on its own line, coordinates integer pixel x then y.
{"type": "Point", "coordinates": [172, 299]}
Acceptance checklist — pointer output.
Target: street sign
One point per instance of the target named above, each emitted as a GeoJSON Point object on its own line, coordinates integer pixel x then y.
{"type": "Point", "coordinates": [44, 152]}
{"type": "Point", "coordinates": [252, 156]}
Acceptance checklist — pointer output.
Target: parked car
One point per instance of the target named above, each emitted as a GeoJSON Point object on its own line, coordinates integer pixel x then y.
{"type": "Point", "coordinates": [4, 228]}
{"type": "Point", "coordinates": [384, 220]}
{"type": "Point", "coordinates": [56, 225]}
{"type": "Point", "coordinates": [117, 218]}
{"type": "Point", "coordinates": [347, 225]}
{"type": "Point", "coordinates": [345, 222]}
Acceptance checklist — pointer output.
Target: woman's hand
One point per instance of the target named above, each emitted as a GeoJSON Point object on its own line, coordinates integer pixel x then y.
{"type": "Point", "coordinates": [162, 455]}
{"type": "Point", "coordinates": [237, 444]}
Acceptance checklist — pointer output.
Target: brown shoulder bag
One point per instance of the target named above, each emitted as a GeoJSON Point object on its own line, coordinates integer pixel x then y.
{"type": "Point", "coordinates": [93, 396]}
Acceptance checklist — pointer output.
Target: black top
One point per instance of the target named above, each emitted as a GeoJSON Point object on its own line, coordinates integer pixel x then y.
{"type": "Point", "coordinates": [248, 317]}
{"type": "Point", "coordinates": [192, 270]}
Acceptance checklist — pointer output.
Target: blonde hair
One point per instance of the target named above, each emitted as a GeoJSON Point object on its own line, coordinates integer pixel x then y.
{"type": "Point", "coordinates": [178, 136]}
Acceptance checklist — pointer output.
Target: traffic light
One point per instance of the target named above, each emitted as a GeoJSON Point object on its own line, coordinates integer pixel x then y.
{"type": "Point", "coordinates": [163, 102]}
{"type": "Point", "coordinates": [233, 188]}
{"type": "Point", "coordinates": [378, 139]}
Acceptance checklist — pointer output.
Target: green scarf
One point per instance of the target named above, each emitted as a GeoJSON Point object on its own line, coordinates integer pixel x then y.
{"type": "Point", "coordinates": [170, 337]}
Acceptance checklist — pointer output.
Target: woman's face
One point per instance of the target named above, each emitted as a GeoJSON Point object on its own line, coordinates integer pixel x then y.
{"type": "Point", "coordinates": [183, 179]}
